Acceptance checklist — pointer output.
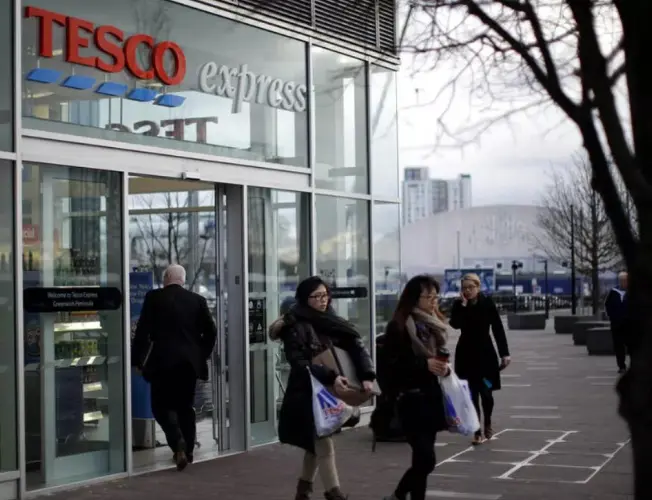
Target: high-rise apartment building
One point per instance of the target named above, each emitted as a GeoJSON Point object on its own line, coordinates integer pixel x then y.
{"type": "Point", "coordinates": [423, 196]}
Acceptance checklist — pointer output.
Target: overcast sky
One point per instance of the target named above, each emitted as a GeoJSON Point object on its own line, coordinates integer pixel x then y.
{"type": "Point", "coordinates": [512, 161]}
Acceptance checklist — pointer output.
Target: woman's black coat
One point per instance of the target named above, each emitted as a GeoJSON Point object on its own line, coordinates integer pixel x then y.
{"type": "Point", "coordinates": [475, 356]}
{"type": "Point", "coordinates": [408, 372]}
{"type": "Point", "coordinates": [301, 344]}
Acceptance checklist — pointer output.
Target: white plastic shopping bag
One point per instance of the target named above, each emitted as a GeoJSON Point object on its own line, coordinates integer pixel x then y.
{"type": "Point", "coordinates": [461, 415]}
{"type": "Point", "coordinates": [329, 412]}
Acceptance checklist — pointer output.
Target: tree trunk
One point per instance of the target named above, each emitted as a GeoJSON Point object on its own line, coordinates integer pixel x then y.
{"type": "Point", "coordinates": [595, 263]}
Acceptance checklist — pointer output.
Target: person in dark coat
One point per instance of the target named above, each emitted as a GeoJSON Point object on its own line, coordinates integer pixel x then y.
{"type": "Point", "coordinates": [307, 330]}
{"type": "Point", "coordinates": [616, 308]}
{"type": "Point", "coordinates": [476, 360]}
{"type": "Point", "coordinates": [413, 338]}
{"type": "Point", "coordinates": [174, 338]}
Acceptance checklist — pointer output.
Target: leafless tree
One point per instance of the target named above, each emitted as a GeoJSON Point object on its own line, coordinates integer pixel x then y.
{"type": "Point", "coordinates": [571, 205]}
{"type": "Point", "coordinates": [163, 235]}
{"type": "Point", "coordinates": [588, 60]}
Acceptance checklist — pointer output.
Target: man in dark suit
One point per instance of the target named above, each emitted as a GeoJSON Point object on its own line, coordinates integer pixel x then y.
{"type": "Point", "coordinates": [616, 307]}
{"type": "Point", "coordinates": [174, 338]}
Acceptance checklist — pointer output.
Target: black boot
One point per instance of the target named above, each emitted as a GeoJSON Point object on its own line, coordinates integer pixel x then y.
{"type": "Point", "coordinates": [304, 490]}
{"type": "Point", "coordinates": [335, 494]}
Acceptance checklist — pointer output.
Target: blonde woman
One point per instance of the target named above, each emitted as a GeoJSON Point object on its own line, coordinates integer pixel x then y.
{"type": "Point", "coordinates": [476, 360]}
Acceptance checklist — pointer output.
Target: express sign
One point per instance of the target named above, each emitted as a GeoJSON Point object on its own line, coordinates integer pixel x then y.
{"type": "Point", "coordinates": [122, 51]}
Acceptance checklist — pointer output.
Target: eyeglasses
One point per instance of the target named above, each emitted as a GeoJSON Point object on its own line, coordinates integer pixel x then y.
{"type": "Point", "coordinates": [319, 296]}
{"type": "Point", "coordinates": [468, 287]}
{"type": "Point", "coordinates": [430, 297]}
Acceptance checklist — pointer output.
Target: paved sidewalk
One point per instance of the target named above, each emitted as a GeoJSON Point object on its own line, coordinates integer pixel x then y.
{"type": "Point", "coordinates": [559, 438]}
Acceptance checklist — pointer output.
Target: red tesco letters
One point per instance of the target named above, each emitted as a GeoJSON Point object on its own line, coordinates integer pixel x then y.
{"type": "Point", "coordinates": [111, 41]}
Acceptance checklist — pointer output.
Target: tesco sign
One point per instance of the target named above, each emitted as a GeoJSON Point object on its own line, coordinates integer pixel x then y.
{"type": "Point", "coordinates": [121, 51]}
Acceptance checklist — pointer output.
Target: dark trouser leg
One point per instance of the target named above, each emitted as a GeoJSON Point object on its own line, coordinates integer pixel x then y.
{"type": "Point", "coordinates": [415, 480]}
{"type": "Point", "coordinates": [185, 408]}
{"type": "Point", "coordinates": [475, 388]}
{"type": "Point", "coordinates": [487, 398]}
{"type": "Point", "coordinates": [417, 419]}
{"type": "Point", "coordinates": [163, 403]}
{"type": "Point", "coordinates": [619, 347]}
{"type": "Point", "coordinates": [173, 395]}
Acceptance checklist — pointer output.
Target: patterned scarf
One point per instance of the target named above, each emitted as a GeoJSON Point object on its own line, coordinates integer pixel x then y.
{"type": "Point", "coordinates": [425, 343]}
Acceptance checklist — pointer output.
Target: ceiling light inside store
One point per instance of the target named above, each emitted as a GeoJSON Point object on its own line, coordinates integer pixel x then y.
{"type": "Point", "coordinates": [41, 95]}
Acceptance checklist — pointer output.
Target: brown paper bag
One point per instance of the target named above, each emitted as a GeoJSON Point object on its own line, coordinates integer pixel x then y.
{"type": "Point", "coordinates": [339, 361]}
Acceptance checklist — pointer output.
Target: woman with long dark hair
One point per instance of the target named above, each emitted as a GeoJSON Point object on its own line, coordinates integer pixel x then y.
{"type": "Point", "coordinates": [476, 360]}
{"type": "Point", "coordinates": [307, 330]}
{"type": "Point", "coordinates": [415, 343]}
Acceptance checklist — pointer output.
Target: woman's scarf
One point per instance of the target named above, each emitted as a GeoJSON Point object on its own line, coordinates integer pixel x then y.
{"type": "Point", "coordinates": [325, 323]}
{"type": "Point", "coordinates": [436, 333]}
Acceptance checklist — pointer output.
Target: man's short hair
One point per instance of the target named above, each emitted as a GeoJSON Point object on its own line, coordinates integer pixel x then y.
{"type": "Point", "coordinates": [174, 275]}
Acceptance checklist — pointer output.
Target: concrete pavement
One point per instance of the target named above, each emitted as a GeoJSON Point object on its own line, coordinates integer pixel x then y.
{"type": "Point", "coordinates": [559, 437]}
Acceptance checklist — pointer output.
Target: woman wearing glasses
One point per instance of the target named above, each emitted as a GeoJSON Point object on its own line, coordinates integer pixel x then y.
{"type": "Point", "coordinates": [307, 330]}
{"type": "Point", "coordinates": [415, 345]}
{"type": "Point", "coordinates": [476, 359]}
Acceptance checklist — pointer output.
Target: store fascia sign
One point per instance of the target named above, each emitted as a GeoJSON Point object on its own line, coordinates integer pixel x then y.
{"type": "Point", "coordinates": [238, 84]}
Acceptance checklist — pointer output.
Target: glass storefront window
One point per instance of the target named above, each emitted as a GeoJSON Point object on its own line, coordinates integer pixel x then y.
{"type": "Point", "coordinates": [387, 258]}
{"type": "Point", "coordinates": [8, 444]}
{"type": "Point", "coordinates": [279, 258]}
{"type": "Point", "coordinates": [340, 87]}
{"type": "Point", "coordinates": [74, 328]}
{"type": "Point", "coordinates": [161, 74]}
{"type": "Point", "coordinates": [343, 255]}
{"type": "Point", "coordinates": [7, 76]}
{"type": "Point", "coordinates": [384, 132]}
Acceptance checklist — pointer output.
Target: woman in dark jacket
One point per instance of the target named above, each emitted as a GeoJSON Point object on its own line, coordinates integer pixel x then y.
{"type": "Point", "coordinates": [475, 356]}
{"type": "Point", "coordinates": [307, 330]}
{"type": "Point", "coordinates": [415, 335]}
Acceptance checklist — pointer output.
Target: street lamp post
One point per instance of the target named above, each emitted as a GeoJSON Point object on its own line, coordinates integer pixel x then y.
{"type": "Point", "coordinates": [545, 285]}
{"type": "Point", "coordinates": [572, 262]}
{"type": "Point", "coordinates": [515, 265]}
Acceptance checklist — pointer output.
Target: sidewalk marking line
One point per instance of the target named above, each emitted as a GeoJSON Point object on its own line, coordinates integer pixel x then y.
{"type": "Point", "coordinates": [609, 459]}
{"type": "Point", "coordinates": [536, 416]}
{"type": "Point", "coordinates": [610, 384]}
{"type": "Point", "coordinates": [558, 440]}
{"type": "Point", "coordinates": [492, 462]}
{"type": "Point", "coordinates": [517, 385]}
{"type": "Point", "coordinates": [466, 450]}
{"type": "Point", "coordinates": [528, 460]}
{"type": "Point", "coordinates": [511, 375]}
{"type": "Point", "coordinates": [457, 494]}
{"type": "Point", "coordinates": [542, 368]}
{"type": "Point", "coordinates": [598, 377]}
{"type": "Point", "coordinates": [557, 466]}
{"type": "Point", "coordinates": [459, 476]}
{"type": "Point", "coordinates": [535, 407]}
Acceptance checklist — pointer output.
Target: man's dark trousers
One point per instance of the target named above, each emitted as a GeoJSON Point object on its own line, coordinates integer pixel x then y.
{"type": "Point", "coordinates": [173, 397]}
{"type": "Point", "coordinates": [619, 334]}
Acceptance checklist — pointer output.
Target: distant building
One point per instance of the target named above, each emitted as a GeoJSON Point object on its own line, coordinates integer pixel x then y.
{"type": "Point", "coordinates": [423, 196]}
{"type": "Point", "coordinates": [483, 237]}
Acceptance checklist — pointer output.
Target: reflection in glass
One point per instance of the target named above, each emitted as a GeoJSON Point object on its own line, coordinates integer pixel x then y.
{"type": "Point", "coordinates": [74, 384]}
{"type": "Point", "coordinates": [279, 258]}
{"type": "Point", "coordinates": [8, 433]}
{"type": "Point", "coordinates": [243, 94]}
{"type": "Point", "coordinates": [340, 86]}
{"type": "Point", "coordinates": [7, 77]}
{"type": "Point", "coordinates": [387, 261]}
{"type": "Point", "coordinates": [173, 222]}
{"type": "Point", "coordinates": [343, 255]}
{"type": "Point", "coordinates": [384, 132]}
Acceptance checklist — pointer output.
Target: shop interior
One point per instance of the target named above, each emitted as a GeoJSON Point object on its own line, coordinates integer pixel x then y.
{"type": "Point", "coordinates": [74, 373]}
